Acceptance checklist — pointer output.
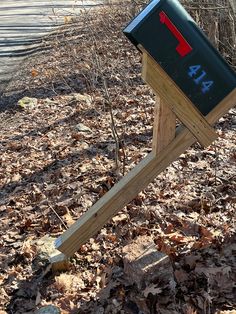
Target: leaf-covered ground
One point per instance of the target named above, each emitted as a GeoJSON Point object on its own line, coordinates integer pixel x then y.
{"type": "Point", "coordinates": [58, 158]}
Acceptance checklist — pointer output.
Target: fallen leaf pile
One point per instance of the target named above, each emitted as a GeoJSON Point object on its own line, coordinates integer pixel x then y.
{"type": "Point", "coordinates": [58, 158]}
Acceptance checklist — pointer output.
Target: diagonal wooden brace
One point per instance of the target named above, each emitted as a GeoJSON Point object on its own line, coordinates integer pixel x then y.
{"type": "Point", "coordinates": [184, 109]}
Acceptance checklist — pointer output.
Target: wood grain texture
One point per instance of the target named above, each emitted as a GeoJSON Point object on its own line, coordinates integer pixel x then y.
{"type": "Point", "coordinates": [164, 126]}
{"type": "Point", "coordinates": [184, 109]}
{"type": "Point", "coordinates": [135, 181]}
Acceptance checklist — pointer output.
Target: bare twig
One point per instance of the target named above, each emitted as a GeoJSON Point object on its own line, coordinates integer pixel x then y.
{"type": "Point", "coordinates": [107, 97]}
{"type": "Point", "coordinates": [57, 216]}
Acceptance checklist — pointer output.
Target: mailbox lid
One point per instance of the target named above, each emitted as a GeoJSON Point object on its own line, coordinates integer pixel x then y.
{"type": "Point", "coordinates": [202, 74]}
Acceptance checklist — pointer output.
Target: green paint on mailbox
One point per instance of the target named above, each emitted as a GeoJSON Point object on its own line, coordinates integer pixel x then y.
{"type": "Point", "coordinates": [174, 40]}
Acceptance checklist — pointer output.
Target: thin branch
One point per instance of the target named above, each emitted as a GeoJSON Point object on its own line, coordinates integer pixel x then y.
{"type": "Point", "coordinates": [107, 99]}
{"type": "Point", "coordinates": [57, 216]}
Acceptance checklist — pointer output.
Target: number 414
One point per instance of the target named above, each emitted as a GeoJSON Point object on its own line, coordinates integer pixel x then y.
{"type": "Point", "coordinates": [196, 72]}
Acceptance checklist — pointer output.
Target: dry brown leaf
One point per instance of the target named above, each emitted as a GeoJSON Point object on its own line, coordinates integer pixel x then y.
{"type": "Point", "coordinates": [181, 276]}
{"type": "Point", "coordinates": [77, 136]}
{"type": "Point", "coordinates": [153, 289]}
{"type": "Point", "coordinates": [189, 310]}
{"type": "Point", "coordinates": [191, 260]}
{"type": "Point", "coordinates": [68, 218]}
{"type": "Point", "coordinates": [120, 218]}
{"type": "Point", "coordinates": [205, 232]}
{"type": "Point", "coordinates": [34, 73]}
{"type": "Point", "coordinates": [177, 237]}
{"type": "Point", "coordinates": [67, 282]}
{"type": "Point", "coordinates": [111, 237]}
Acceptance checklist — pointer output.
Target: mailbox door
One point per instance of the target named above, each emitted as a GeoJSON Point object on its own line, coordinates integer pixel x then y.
{"type": "Point", "coordinates": [178, 45]}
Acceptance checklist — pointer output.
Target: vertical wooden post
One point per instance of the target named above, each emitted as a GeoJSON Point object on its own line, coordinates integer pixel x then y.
{"type": "Point", "coordinates": [164, 126]}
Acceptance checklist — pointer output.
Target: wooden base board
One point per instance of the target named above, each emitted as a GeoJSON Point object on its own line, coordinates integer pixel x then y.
{"type": "Point", "coordinates": [130, 185]}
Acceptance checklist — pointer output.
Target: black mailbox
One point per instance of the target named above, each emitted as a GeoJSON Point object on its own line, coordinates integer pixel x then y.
{"type": "Point", "coordinates": [173, 39]}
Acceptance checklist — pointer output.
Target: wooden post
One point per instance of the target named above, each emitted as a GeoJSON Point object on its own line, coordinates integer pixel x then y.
{"type": "Point", "coordinates": [157, 161]}
{"type": "Point", "coordinates": [163, 127]}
